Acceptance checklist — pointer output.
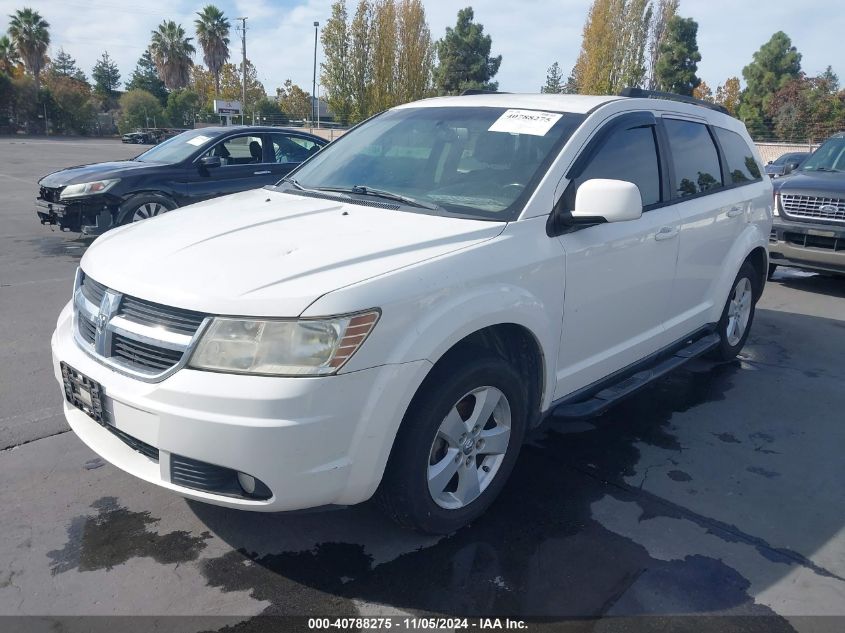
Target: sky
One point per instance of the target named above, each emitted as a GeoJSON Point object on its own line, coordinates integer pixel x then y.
{"type": "Point", "coordinates": [529, 34]}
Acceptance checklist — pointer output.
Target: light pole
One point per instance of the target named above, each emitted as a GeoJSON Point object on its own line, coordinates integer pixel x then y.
{"type": "Point", "coordinates": [243, 68]}
{"type": "Point", "coordinates": [314, 78]}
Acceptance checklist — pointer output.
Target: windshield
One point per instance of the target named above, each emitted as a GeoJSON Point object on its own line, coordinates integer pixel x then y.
{"type": "Point", "coordinates": [829, 157]}
{"type": "Point", "coordinates": [178, 148]}
{"type": "Point", "coordinates": [473, 161]}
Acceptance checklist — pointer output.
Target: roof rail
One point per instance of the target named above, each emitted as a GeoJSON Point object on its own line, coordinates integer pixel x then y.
{"type": "Point", "coordinates": [639, 93]}
{"type": "Point", "coordinates": [476, 91]}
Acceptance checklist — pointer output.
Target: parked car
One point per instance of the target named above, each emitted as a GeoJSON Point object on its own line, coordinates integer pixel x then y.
{"type": "Point", "coordinates": [139, 138]}
{"type": "Point", "coordinates": [809, 223]}
{"type": "Point", "coordinates": [785, 164]}
{"type": "Point", "coordinates": [192, 166]}
{"type": "Point", "coordinates": [393, 317]}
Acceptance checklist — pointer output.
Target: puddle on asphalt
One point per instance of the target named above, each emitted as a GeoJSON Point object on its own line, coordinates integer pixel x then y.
{"type": "Point", "coordinates": [536, 553]}
{"type": "Point", "coordinates": [115, 535]}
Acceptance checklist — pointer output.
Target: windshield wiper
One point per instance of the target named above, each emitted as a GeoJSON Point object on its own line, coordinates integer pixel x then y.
{"type": "Point", "coordinates": [826, 169]}
{"type": "Point", "coordinates": [363, 190]}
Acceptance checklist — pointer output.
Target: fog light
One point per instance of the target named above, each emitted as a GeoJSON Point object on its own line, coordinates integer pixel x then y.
{"type": "Point", "coordinates": [247, 482]}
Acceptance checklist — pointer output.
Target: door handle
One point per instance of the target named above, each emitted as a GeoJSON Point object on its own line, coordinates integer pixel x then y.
{"type": "Point", "coordinates": [735, 211]}
{"type": "Point", "coordinates": [666, 233]}
{"type": "Point", "coordinates": [261, 173]}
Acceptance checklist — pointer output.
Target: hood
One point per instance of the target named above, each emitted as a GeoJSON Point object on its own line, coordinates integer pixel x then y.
{"type": "Point", "coordinates": [821, 182]}
{"type": "Point", "coordinates": [96, 171]}
{"type": "Point", "coordinates": [267, 253]}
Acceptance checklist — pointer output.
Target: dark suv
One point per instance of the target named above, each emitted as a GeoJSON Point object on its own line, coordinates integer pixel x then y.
{"type": "Point", "coordinates": [809, 226]}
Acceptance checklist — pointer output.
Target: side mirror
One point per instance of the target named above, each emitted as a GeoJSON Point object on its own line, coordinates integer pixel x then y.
{"type": "Point", "coordinates": [770, 162]}
{"type": "Point", "coordinates": [210, 162]}
{"type": "Point", "coordinates": [607, 200]}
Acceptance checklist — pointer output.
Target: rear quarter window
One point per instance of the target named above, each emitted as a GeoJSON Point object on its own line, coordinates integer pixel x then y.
{"type": "Point", "coordinates": [742, 168]}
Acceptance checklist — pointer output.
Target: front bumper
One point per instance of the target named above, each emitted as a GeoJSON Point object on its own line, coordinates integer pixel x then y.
{"type": "Point", "coordinates": [313, 441]}
{"type": "Point", "coordinates": [811, 245]}
{"type": "Point", "coordinates": [90, 217]}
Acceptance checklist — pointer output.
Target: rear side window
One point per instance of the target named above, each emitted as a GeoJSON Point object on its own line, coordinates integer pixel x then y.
{"type": "Point", "coordinates": [628, 154]}
{"type": "Point", "coordinates": [694, 157]}
{"type": "Point", "coordinates": [741, 164]}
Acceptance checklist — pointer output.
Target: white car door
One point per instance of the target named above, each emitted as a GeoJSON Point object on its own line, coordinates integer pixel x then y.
{"type": "Point", "coordinates": [712, 214]}
{"type": "Point", "coordinates": [619, 275]}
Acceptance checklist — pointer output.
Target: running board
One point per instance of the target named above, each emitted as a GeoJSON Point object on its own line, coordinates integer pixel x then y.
{"type": "Point", "coordinates": [610, 395]}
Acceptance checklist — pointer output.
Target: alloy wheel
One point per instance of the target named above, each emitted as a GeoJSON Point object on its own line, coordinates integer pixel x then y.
{"type": "Point", "coordinates": [469, 447]}
{"type": "Point", "coordinates": [739, 311]}
{"type": "Point", "coordinates": [148, 210]}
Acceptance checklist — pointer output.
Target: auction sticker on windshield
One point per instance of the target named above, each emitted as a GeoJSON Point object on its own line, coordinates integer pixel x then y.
{"type": "Point", "coordinates": [525, 122]}
{"type": "Point", "coordinates": [198, 140]}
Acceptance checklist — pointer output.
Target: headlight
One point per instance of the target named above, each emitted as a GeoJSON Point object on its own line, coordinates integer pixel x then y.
{"type": "Point", "coordinates": [303, 347]}
{"type": "Point", "coordinates": [775, 210]}
{"type": "Point", "coordinates": [88, 188]}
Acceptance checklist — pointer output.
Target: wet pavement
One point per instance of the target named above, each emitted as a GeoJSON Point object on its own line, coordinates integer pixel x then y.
{"type": "Point", "coordinates": [715, 492]}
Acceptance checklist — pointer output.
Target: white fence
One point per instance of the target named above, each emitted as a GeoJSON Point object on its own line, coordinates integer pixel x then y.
{"type": "Point", "coordinates": [770, 151]}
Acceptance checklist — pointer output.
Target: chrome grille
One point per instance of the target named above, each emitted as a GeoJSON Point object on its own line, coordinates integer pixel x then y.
{"type": "Point", "coordinates": [87, 329]}
{"type": "Point", "coordinates": [814, 207]}
{"type": "Point", "coordinates": [92, 290]}
{"type": "Point", "coordinates": [156, 315]}
{"type": "Point", "coordinates": [138, 337]}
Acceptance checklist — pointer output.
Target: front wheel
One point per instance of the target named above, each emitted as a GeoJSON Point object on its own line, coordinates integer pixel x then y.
{"type": "Point", "coordinates": [456, 447]}
{"type": "Point", "coordinates": [143, 207]}
{"type": "Point", "coordinates": [734, 326]}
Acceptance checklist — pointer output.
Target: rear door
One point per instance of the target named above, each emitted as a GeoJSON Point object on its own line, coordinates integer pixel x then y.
{"type": "Point", "coordinates": [287, 151]}
{"type": "Point", "coordinates": [619, 275]}
{"type": "Point", "coordinates": [708, 187]}
{"type": "Point", "coordinates": [242, 167]}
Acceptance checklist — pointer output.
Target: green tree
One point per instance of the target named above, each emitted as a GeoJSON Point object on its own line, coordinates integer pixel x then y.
{"type": "Point", "coordinates": [71, 105]}
{"type": "Point", "coordinates": [31, 36]}
{"type": "Point", "coordinates": [773, 66]}
{"type": "Point", "coordinates": [806, 108]}
{"type": "Point", "coordinates": [294, 101]}
{"type": "Point", "coordinates": [213, 37]}
{"type": "Point", "coordinates": [65, 66]}
{"type": "Point", "coordinates": [231, 82]}
{"type": "Point", "coordinates": [106, 80]}
{"type": "Point", "coordinates": [145, 77]}
{"type": "Point", "coordinates": [665, 11]}
{"type": "Point", "coordinates": [360, 67]}
{"type": "Point", "coordinates": [464, 60]}
{"type": "Point", "coordinates": [384, 54]}
{"type": "Point", "coordinates": [9, 58]}
{"type": "Point", "coordinates": [171, 52]}
{"type": "Point", "coordinates": [728, 95]}
{"type": "Point", "coordinates": [182, 108]}
{"type": "Point", "coordinates": [554, 80]}
{"type": "Point", "coordinates": [415, 54]}
{"type": "Point", "coordinates": [679, 57]}
{"type": "Point", "coordinates": [138, 109]}
{"type": "Point", "coordinates": [334, 70]}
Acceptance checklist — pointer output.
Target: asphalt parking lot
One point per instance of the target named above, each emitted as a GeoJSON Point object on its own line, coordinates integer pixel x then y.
{"type": "Point", "coordinates": [717, 491]}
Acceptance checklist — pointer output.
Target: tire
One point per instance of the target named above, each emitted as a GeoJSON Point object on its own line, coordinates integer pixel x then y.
{"type": "Point", "coordinates": [143, 206]}
{"type": "Point", "coordinates": [772, 269]}
{"type": "Point", "coordinates": [417, 490]}
{"type": "Point", "coordinates": [738, 314]}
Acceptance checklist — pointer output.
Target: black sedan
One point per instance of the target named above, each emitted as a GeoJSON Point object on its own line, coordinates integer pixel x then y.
{"type": "Point", "coordinates": [193, 166]}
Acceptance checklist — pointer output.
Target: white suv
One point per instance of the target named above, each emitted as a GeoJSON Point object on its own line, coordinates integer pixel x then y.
{"type": "Point", "coordinates": [394, 317]}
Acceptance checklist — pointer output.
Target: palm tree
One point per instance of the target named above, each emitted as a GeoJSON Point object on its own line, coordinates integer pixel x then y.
{"type": "Point", "coordinates": [8, 55]}
{"type": "Point", "coordinates": [171, 52]}
{"type": "Point", "coordinates": [213, 36]}
{"type": "Point", "coordinates": [28, 31]}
